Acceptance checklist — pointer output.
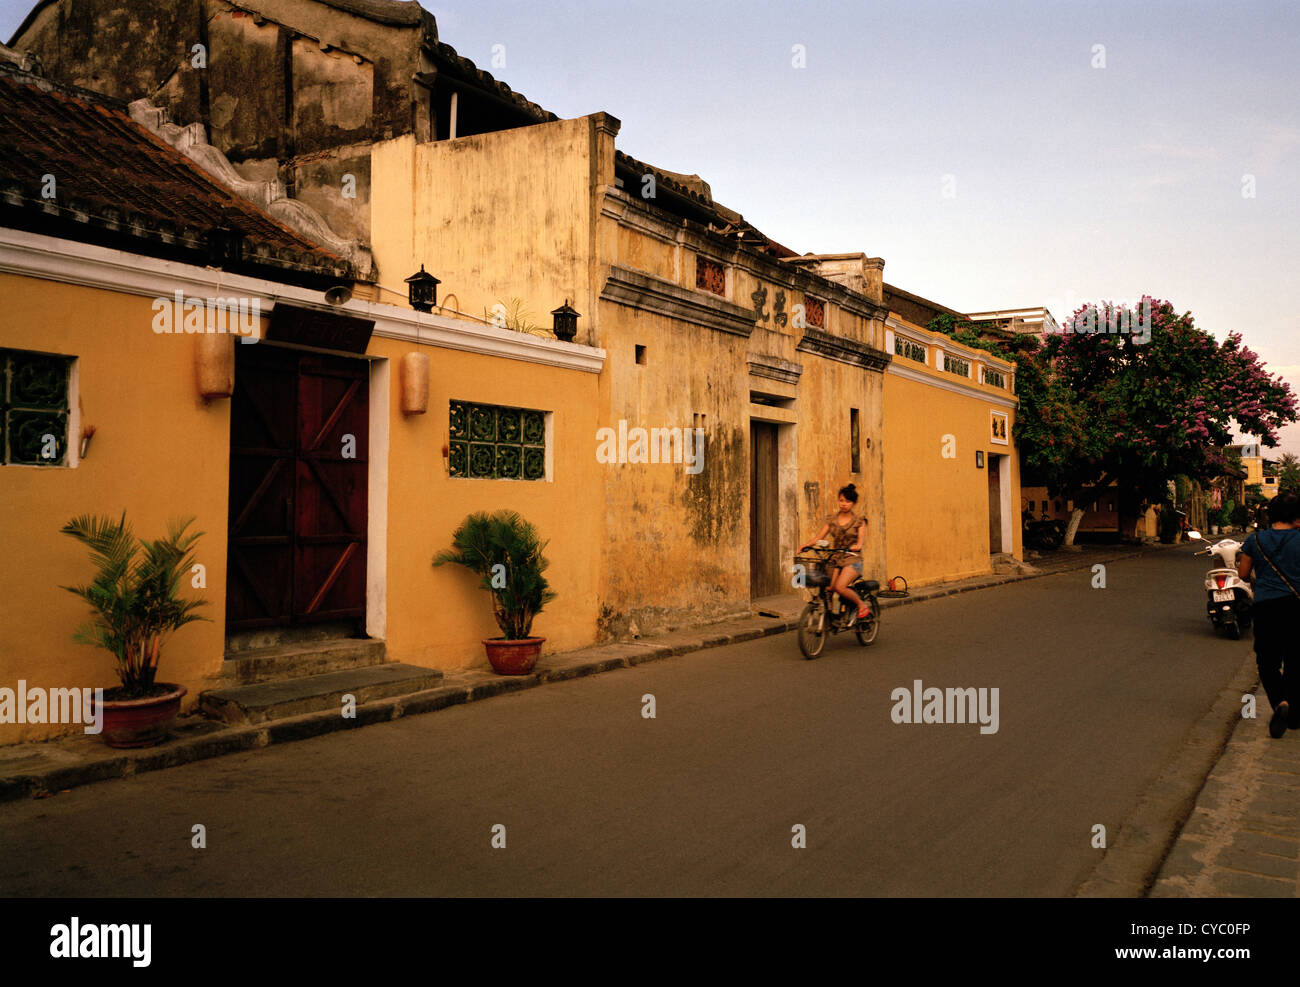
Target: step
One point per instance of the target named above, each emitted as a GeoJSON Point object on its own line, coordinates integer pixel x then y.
{"type": "Point", "coordinates": [294, 661]}
{"type": "Point", "coordinates": [264, 701]}
{"type": "Point", "coordinates": [290, 636]}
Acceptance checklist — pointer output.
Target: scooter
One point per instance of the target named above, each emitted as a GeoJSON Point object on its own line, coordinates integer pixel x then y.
{"type": "Point", "coordinates": [1230, 597]}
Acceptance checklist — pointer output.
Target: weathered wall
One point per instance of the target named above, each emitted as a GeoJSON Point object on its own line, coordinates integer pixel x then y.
{"type": "Point", "coordinates": [677, 546]}
{"type": "Point", "coordinates": [158, 453]}
{"type": "Point", "coordinates": [496, 217]}
{"type": "Point", "coordinates": [301, 107]}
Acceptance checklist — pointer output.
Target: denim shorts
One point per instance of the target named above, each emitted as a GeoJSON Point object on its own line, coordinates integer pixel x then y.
{"type": "Point", "coordinates": [856, 567]}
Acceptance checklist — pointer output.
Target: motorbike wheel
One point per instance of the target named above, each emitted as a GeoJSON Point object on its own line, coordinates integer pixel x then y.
{"type": "Point", "coordinates": [869, 628]}
{"type": "Point", "coordinates": [812, 630]}
{"type": "Point", "coordinates": [1233, 630]}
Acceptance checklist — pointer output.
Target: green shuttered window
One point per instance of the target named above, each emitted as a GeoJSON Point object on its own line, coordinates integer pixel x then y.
{"type": "Point", "coordinates": [492, 442]}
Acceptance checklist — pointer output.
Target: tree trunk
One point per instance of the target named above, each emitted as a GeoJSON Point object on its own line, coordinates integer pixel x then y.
{"type": "Point", "coordinates": [1083, 499]}
{"type": "Point", "coordinates": [1076, 516]}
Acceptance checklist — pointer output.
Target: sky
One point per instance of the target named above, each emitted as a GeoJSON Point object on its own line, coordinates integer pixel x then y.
{"type": "Point", "coordinates": [996, 155]}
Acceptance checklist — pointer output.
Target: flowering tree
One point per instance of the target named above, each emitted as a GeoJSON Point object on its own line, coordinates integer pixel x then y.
{"type": "Point", "coordinates": [1134, 398]}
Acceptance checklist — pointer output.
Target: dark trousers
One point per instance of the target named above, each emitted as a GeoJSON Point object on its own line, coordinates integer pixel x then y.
{"type": "Point", "coordinates": [1277, 649]}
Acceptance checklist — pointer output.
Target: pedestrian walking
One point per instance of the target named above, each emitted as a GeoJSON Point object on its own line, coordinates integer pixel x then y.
{"type": "Point", "coordinates": [1273, 556]}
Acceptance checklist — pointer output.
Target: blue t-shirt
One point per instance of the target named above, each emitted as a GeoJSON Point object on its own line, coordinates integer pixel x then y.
{"type": "Point", "coordinates": [1283, 547]}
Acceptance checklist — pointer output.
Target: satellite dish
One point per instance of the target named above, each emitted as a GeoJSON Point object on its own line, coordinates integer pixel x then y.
{"type": "Point", "coordinates": [338, 294]}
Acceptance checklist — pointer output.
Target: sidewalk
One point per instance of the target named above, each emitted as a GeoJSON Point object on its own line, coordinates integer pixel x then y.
{"type": "Point", "coordinates": [37, 770]}
{"type": "Point", "coordinates": [1243, 836]}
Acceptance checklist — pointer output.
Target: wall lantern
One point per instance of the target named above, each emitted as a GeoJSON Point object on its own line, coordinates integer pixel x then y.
{"type": "Point", "coordinates": [979, 459]}
{"type": "Point", "coordinates": [422, 290]}
{"type": "Point", "coordinates": [415, 383]}
{"type": "Point", "coordinates": [566, 322]}
{"type": "Point", "coordinates": [214, 364]}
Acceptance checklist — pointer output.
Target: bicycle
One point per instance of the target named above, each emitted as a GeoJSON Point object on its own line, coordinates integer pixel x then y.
{"type": "Point", "coordinates": [821, 616]}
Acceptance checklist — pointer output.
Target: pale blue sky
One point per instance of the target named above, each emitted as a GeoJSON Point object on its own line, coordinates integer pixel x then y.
{"type": "Point", "coordinates": [1071, 182]}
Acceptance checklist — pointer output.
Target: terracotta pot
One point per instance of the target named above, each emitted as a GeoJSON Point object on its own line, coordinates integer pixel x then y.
{"type": "Point", "coordinates": [141, 722]}
{"type": "Point", "coordinates": [513, 657]}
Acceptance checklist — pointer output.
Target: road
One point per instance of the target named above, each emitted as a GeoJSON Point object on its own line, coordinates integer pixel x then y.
{"type": "Point", "coordinates": [1097, 691]}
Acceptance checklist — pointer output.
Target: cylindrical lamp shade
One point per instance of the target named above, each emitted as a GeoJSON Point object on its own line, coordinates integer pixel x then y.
{"type": "Point", "coordinates": [415, 384]}
{"type": "Point", "coordinates": [214, 364]}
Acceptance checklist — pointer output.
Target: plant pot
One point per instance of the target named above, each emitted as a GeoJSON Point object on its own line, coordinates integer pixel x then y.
{"type": "Point", "coordinates": [141, 722]}
{"type": "Point", "coordinates": [513, 657]}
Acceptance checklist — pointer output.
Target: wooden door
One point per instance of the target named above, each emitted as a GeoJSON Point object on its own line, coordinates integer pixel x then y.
{"type": "Point", "coordinates": [764, 515]}
{"type": "Point", "coordinates": [995, 504]}
{"type": "Point", "coordinates": [299, 425]}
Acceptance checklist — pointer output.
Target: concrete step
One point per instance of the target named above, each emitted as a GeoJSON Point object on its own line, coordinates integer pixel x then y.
{"type": "Point", "coordinates": [264, 701]}
{"type": "Point", "coordinates": [298, 660]}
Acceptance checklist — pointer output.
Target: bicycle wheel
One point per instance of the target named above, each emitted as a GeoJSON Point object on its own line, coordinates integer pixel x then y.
{"type": "Point", "coordinates": [868, 629]}
{"type": "Point", "coordinates": [812, 630]}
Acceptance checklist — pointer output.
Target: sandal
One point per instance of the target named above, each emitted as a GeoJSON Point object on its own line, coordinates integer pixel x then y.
{"type": "Point", "coordinates": [864, 612]}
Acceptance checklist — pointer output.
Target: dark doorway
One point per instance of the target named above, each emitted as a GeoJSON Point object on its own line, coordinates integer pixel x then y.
{"type": "Point", "coordinates": [764, 515]}
{"type": "Point", "coordinates": [995, 504]}
{"type": "Point", "coordinates": [299, 437]}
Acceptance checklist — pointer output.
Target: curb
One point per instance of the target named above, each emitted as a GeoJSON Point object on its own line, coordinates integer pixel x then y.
{"type": "Point", "coordinates": [1129, 866]}
{"type": "Point", "coordinates": [203, 739]}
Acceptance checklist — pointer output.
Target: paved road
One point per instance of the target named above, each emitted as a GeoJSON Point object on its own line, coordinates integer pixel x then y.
{"type": "Point", "coordinates": [1097, 690]}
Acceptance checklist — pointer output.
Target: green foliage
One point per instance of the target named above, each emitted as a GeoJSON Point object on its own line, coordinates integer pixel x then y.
{"type": "Point", "coordinates": [134, 597]}
{"type": "Point", "coordinates": [1288, 474]}
{"type": "Point", "coordinates": [1107, 406]}
{"type": "Point", "coordinates": [506, 552]}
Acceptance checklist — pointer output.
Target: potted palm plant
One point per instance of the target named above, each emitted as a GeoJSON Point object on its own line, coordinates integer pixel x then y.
{"type": "Point", "coordinates": [135, 602]}
{"type": "Point", "coordinates": [506, 552]}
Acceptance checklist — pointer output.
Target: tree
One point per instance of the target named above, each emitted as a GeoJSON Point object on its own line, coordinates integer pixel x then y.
{"type": "Point", "coordinates": [1288, 474]}
{"type": "Point", "coordinates": [1102, 404]}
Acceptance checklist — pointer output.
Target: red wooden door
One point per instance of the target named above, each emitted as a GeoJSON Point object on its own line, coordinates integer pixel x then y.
{"type": "Point", "coordinates": [298, 468]}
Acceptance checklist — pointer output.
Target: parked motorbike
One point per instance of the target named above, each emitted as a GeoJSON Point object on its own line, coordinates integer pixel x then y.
{"type": "Point", "coordinates": [1230, 598]}
{"type": "Point", "coordinates": [1046, 535]}
{"type": "Point", "coordinates": [826, 613]}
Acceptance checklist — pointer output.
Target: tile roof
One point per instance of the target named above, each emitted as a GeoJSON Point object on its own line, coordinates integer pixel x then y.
{"type": "Point", "coordinates": [116, 183]}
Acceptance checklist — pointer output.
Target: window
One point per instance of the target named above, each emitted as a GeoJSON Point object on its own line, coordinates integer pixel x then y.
{"type": "Point", "coordinates": [640, 354]}
{"type": "Point", "coordinates": [994, 377]}
{"type": "Point", "coordinates": [710, 276]}
{"type": "Point", "coordinates": [909, 349]}
{"type": "Point", "coordinates": [814, 312]}
{"type": "Point", "coordinates": [956, 365]}
{"type": "Point", "coordinates": [496, 443]}
{"type": "Point", "coordinates": [855, 438]}
{"type": "Point", "coordinates": [34, 408]}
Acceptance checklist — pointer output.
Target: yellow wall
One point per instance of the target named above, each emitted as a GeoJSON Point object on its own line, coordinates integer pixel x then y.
{"type": "Point", "coordinates": [496, 217]}
{"type": "Point", "coordinates": [158, 453]}
{"type": "Point", "coordinates": [439, 617]}
{"type": "Point", "coordinates": [937, 509]}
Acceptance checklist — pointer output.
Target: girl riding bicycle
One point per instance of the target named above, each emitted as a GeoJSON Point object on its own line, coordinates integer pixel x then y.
{"type": "Point", "coordinates": [847, 531]}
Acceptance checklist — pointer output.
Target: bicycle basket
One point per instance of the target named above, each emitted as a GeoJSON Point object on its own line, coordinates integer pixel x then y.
{"type": "Point", "coordinates": [814, 571]}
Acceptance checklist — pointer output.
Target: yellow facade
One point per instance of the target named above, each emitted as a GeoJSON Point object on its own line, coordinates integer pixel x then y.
{"type": "Point", "coordinates": [160, 451]}
{"type": "Point", "coordinates": [940, 438]}
{"type": "Point", "coordinates": [537, 214]}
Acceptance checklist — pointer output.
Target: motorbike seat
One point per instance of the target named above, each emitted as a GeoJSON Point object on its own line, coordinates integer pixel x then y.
{"type": "Point", "coordinates": [871, 585]}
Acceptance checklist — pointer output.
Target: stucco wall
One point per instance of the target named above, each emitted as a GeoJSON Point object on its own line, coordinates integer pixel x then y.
{"type": "Point", "coordinates": [937, 507]}
{"type": "Point", "coordinates": [158, 453]}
